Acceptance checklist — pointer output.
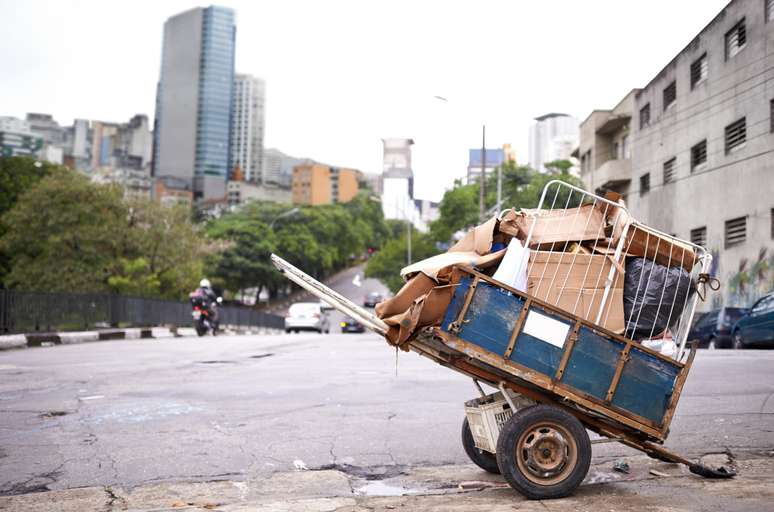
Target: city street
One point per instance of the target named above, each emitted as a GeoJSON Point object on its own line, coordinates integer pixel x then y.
{"type": "Point", "coordinates": [127, 415]}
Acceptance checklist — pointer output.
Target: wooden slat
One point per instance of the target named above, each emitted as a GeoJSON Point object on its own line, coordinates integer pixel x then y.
{"type": "Point", "coordinates": [618, 371]}
{"type": "Point", "coordinates": [457, 324]}
{"type": "Point", "coordinates": [517, 328]}
{"type": "Point", "coordinates": [571, 317]}
{"type": "Point", "coordinates": [544, 382]}
{"type": "Point", "coordinates": [677, 391]}
{"type": "Point", "coordinates": [569, 343]}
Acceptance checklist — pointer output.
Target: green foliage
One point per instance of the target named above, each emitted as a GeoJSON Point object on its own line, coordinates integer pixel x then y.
{"type": "Point", "coordinates": [559, 166]}
{"type": "Point", "coordinates": [17, 174]}
{"type": "Point", "coordinates": [320, 240]}
{"type": "Point", "coordinates": [386, 264]}
{"type": "Point", "coordinates": [521, 188]}
{"type": "Point", "coordinates": [67, 234]}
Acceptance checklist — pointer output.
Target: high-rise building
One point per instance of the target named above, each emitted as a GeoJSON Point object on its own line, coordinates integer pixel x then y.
{"type": "Point", "coordinates": [194, 100]}
{"type": "Point", "coordinates": [17, 139]}
{"type": "Point", "coordinates": [495, 157]}
{"type": "Point", "coordinates": [247, 126]}
{"type": "Point", "coordinates": [398, 183]}
{"type": "Point", "coordinates": [278, 167]}
{"type": "Point", "coordinates": [552, 137]}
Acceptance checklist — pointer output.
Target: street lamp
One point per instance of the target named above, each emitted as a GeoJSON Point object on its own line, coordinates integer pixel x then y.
{"type": "Point", "coordinates": [288, 213]}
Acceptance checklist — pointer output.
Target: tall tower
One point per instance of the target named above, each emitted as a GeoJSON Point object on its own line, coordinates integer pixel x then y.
{"type": "Point", "coordinates": [247, 126]}
{"type": "Point", "coordinates": [550, 137]}
{"type": "Point", "coordinates": [397, 179]}
{"type": "Point", "coordinates": [194, 100]}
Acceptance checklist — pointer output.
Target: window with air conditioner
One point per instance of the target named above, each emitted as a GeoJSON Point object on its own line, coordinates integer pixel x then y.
{"type": "Point", "coordinates": [736, 231]}
{"type": "Point", "coordinates": [736, 39]}
{"type": "Point", "coordinates": [670, 94]}
{"type": "Point", "coordinates": [699, 70]}
{"type": "Point", "coordinates": [699, 156]}
{"type": "Point", "coordinates": [736, 135]}
{"type": "Point", "coordinates": [669, 170]}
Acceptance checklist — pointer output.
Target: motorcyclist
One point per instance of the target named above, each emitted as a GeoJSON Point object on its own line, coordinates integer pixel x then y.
{"type": "Point", "coordinates": [205, 289]}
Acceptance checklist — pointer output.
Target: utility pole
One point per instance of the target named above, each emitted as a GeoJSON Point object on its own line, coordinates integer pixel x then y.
{"type": "Point", "coordinates": [482, 187]}
{"type": "Point", "coordinates": [408, 246]}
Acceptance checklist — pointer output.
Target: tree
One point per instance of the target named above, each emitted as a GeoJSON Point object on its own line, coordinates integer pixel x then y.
{"type": "Point", "coordinates": [67, 234]}
{"type": "Point", "coordinates": [559, 166]}
{"type": "Point", "coordinates": [17, 175]}
{"type": "Point", "coordinates": [387, 263]}
{"type": "Point", "coordinates": [458, 210]}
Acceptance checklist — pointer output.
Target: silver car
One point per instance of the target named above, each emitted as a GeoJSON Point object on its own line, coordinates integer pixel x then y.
{"type": "Point", "coordinates": [307, 316]}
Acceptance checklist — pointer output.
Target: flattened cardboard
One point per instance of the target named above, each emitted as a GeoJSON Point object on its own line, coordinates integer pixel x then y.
{"type": "Point", "coordinates": [576, 283]}
{"type": "Point", "coordinates": [558, 227]}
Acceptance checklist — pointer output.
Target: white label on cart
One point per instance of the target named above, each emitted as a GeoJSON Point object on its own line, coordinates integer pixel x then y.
{"type": "Point", "coordinates": [546, 329]}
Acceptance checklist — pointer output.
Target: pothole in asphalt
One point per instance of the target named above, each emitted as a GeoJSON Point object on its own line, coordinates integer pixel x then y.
{"type": "Point", "coordinates": [261, 356]}
{"type": "Point", "coordinates": [53, 414]}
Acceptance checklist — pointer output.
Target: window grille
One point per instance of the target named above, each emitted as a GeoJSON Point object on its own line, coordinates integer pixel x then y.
{"type": "Point", "coordinates": [699, 70]}
{"type": "Point", "coordinates": [669, 170]}
{"type": "Point", "coordinates": [698, 155]}
{"type": "Point", "coordinates": [670, 94]}
{"type": "Point", "coordinates": [699, 236]}
{"type": "Point", "coordinates": [645, 116]}
{"type": "Point", "coordinates": [736, 231]}
{"type": "Point", "coordinates": [736, 38]}
{"type": "Point", "coordinates": [736, 135]}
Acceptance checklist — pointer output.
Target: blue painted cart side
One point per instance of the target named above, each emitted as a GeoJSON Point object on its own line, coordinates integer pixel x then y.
{"type": "Point", "coordinates": [569, 356]}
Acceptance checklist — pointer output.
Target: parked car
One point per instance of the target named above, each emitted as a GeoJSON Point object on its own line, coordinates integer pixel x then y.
{"type": "Point", "coordinates": [372, 299]}
{"type": "Point", "coordinates": [307, 316]}
{"type": "Point", "coordinates": [756, 329]}
{"type": "Point", "coordinates": [349, 324]}
{"type": "Point", "coordinates": [713, 329]}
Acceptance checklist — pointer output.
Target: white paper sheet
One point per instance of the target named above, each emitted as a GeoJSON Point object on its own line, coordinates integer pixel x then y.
{"type": "Point", "coordinates": [546, 329]}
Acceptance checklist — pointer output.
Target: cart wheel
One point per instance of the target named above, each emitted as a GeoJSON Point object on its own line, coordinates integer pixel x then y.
{"type": "Point", "coordinates": [543, 452]}
{"type": "Point", "coordinates": [483, 459]}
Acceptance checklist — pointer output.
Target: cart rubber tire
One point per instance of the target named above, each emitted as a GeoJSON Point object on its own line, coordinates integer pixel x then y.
{"type": "Point", "coordinates": [483, 459]}
{"type": "Point", "coordinates": [543, 452]}
{"type": "Point", "coordinates": [201, 331]}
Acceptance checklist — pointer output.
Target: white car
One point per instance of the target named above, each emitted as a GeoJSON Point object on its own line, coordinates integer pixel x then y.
{"type": "Point", "coordinates": [307, 316]}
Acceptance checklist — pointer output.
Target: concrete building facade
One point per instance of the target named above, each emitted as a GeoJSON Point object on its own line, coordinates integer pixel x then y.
{"type": "Point", "coordinates": [495, 157]}
{"type": "Point", "coordinates": [552, 137]}
{"type": "Point", "coordinates": [240, 192]}
{"type": "Point", "coordinates": [17, 139]}
{"type": "Point", "coordinates": [702, 149]}
{"type": "Point", "coordinates": [317, 184]}
{"type": "Point", "coordinates": [194, 100]}
{"type": "Point", "coordinates": [247, 127]}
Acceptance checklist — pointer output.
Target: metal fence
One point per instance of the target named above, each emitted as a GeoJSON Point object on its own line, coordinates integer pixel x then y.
{"type": "Point", "coordinates": [46, 312]}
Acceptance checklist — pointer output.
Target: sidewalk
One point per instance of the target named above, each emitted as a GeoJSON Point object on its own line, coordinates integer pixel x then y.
{"type": "Point", "coordinates": [13, 341]}
{"type": "Point", "coordinates": [429, 489]}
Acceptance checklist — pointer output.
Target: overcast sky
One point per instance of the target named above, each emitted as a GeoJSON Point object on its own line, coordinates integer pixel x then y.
{"type": "Point", "coordinates": [342, 75]}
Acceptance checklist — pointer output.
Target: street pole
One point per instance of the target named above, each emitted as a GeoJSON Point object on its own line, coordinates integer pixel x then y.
{"type": "Point", "coordinates": [482, 187]}
{"type": "Point", "coordinates": [408, 246]}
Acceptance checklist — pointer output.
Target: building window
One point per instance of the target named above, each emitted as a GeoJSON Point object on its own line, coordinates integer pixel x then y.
{"type": "Point", "coordinates": [736, 231]}
{"type": "Point", "coordinates": [670, 94]}
{"type": "Point", "coordinates": [699, 156]}
{"type": "Point", "coordinates": [736, 38]}
{"type": "Point", "coordinates": [644, 184]}
{"type": "Point", "coordinates": [736, 135]}
{"type": "Point", "coordinates": [669, 170]}
{"type": "Point", "coordinates": [627, 153]}
{"type": "Point", "coordinates": [769, 10]}
{"type": "Point", "coordinates": [645, 116]}
{"type": "Point", "coordinates": [699, 70]}
{"type": "Point", "coordinates": [699, 236]}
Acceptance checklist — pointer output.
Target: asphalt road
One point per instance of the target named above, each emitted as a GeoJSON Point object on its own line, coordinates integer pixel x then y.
{"type": "Point", "coordinates": [139, 411]}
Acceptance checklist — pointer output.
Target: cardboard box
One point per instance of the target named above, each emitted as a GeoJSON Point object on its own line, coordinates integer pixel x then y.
{"type": "Point", "coordinates": [557, 227]}
{"type": "Point", "coordinates": [576, 283]}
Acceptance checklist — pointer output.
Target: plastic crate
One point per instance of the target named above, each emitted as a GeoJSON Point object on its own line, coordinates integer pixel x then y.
{"type": "Point", "coordinates": [486, 415]}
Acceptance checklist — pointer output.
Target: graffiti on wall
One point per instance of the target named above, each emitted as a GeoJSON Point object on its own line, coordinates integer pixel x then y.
{"type": "Point", "coordinates": [751, 280]}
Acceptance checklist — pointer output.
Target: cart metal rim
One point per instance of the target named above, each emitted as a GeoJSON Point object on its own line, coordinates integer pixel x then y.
{"type": "Point", "coordinates": [546, 453]}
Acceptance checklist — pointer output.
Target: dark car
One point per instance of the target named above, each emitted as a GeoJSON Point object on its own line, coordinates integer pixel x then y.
{"type": "Point", "coordinates": [713, 329]}
{"type": "Point", "coordinates": [349, 324]}
{"type": "Point", "coordinates": [372, 299]}
{"type": "Point", "coordinates": [756, 329]}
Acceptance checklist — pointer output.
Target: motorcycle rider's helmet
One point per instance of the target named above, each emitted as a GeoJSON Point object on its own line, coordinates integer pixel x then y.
{"type": "Point", "coordinates": [205, 283]}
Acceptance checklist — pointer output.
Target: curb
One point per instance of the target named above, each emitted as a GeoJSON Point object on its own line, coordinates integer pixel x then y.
{"type": "Point", "coordinates": [13, 341]}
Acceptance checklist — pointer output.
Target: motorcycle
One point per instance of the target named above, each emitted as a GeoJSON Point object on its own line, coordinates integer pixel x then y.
{"type": "Point", "coordinates": [203, 314]}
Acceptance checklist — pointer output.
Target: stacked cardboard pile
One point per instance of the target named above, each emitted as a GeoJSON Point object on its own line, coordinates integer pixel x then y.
{"type": "Point", "coordinates": [574, 253]}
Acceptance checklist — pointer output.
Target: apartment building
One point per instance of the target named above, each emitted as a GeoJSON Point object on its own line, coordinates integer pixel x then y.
{"type": "Point", "coordinates": [317, 184]}
{"type": "Point", "coordinates": [701, 149]}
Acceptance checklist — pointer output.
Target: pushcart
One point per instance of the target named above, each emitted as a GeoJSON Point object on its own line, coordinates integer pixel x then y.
{"type": "Point", "coordinates": [557, 374]}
